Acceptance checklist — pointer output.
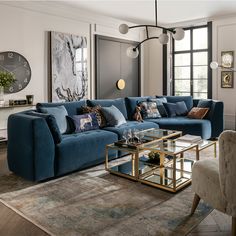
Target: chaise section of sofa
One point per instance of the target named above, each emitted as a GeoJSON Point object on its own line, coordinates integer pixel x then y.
{"type": "Point", "coordinates": [209, 127]}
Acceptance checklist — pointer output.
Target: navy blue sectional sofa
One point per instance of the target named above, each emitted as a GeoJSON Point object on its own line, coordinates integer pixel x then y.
{"type": "Point", "coordinates": [34, 152]}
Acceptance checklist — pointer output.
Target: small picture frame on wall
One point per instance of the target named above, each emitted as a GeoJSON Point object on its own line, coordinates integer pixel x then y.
{"type": "Point", "coordinates": [227, 59]}
{"type": "Point", "coordinates": [227, 79]}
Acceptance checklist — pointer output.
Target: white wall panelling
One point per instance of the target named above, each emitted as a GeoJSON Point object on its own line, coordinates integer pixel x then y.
{"type": "Point", "coordinates": [224, 38]}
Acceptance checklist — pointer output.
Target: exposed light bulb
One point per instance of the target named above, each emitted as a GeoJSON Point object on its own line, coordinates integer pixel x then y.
{"type": "Point", "coordinates": [178, 34]}
{"type": "Point", "coordinates": [163, 38]}
{"type": "Point", "coordinates": [123, 28]}
{"type": "Point", "coordinates": [132, 52]}
{"type": "Point", "coordinates": [214, 65]}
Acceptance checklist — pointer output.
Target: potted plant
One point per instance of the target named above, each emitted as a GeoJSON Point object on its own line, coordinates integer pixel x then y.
{"type": "Point", "coordinates": [6, 79]}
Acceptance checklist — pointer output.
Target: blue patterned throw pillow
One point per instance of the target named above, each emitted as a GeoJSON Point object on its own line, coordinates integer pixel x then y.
{"type": "Point", "coordinates": [149, 110]}
{"type": "Point", "coordinates": [85, 122]}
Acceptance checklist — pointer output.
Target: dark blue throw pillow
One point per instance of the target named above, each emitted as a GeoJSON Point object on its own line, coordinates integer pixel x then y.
{"type": "Point", "coordinates": [170, 108]}
{"type": "Point", "coordinates": [85, 122]}
{"type": "Point", "coordinates": [181, 109]}
{"type": "Point", "coordinates": [207, 103]}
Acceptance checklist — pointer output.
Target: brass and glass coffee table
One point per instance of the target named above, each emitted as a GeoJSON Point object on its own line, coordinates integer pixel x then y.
{"type": "Point", "coordinates": [174, 170]}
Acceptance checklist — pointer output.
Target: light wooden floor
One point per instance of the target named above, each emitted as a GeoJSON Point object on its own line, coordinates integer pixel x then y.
{"type": "Point", "coordinates": [11, 224]}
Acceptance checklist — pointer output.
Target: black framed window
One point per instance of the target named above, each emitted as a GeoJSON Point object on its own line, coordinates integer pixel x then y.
{"type": "Point", "coordinates": [191, 57]}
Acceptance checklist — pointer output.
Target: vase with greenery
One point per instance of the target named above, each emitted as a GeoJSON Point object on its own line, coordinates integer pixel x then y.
{"type": "Point", "coordinates": [6, 80]}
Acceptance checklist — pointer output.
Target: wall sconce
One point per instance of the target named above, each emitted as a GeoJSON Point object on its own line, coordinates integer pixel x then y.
{"type": "Point", "coordinates": [120, 84]}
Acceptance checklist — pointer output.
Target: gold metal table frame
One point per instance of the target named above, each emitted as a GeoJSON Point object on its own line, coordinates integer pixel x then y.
{"type": "Point", "coordinates": [171, 174]}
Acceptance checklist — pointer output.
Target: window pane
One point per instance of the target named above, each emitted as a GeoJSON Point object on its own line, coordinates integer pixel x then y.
{"type": "Point", "coordinates": [200, 85]}
{"type": "Point", "coordinates": [177, 93]}
{"type": "Point", "coordinates": [182, 85]}
{"type": "Point", "coordinates": [182, 72]}
{"type": "Point", "coordinates": [182, 59]}
{"type": "Point", "coordinates": [184, 44]}
{"type": "Point", "coordinates": [200, 72]}
{"type": "Point", "coordinates": [200, 95]}
{"type": "Point", "coordinates": [200, 38]}
{"type": "Point", "coordinates": [200, 58]}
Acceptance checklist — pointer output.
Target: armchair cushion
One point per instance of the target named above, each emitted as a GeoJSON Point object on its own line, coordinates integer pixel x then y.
{"type": "Point", "coordinates": [206, 183]}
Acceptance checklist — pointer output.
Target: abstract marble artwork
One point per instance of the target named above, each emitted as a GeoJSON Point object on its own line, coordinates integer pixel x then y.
{"type": "Point", "coordinates": [69, 73]}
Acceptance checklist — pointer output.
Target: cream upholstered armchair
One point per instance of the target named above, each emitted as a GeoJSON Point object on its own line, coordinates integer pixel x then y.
{"type": "Point", "coordinates": [214, 180]}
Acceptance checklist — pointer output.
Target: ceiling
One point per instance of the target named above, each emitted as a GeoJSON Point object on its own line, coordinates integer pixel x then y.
{"type": "Point", "coordinates": [169, 11]}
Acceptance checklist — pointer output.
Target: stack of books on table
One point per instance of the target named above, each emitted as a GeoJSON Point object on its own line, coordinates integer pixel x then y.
{"type": "Point", "coordinates": [190, 138]}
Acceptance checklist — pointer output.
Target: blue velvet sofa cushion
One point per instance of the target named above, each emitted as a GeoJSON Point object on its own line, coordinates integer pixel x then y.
{"type": "Point", "coordinates": [73, 108]}
{"type": "Point", "coordinates": [80, 150]}
{"type": "Point", "coordinates": [187, 99]}
{"type": "Point", "coordinates": [131, 125]}
{"type": "Point", "coordinates": [119, 103]}
{"type": "Point", "coordinates": [186, 125]}
{"type": "Point", "coordinates": [132, 102]}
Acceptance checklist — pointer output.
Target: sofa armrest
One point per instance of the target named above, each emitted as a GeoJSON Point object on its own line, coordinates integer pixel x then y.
{"type": "Point", "coordinates": [216, 116]}
{"type": "Point", "coordinates": [31, 148]}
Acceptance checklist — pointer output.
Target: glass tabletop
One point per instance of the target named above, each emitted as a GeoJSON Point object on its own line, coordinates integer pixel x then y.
{"type": "Point", "coordinates": [168, 146]}
{"type": "Point", "coordinates": [160, 133]}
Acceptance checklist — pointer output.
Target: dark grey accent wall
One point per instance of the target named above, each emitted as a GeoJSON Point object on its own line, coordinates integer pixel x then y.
{"type": "Point", "coordinates": [113, 64]}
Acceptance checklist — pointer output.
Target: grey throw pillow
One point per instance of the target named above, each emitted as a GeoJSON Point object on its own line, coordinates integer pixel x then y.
{"type": "Point", "coordinates": [60, 113]}
{"type": "Point", "coordinates": [113, 116]}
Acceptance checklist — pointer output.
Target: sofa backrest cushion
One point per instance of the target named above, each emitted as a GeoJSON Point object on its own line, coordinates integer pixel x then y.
{"type": "Point", "coordinates": [119, 103]}
{"type": "Point", "coordinates": [73, 108]}
{"type": "Point", "coordinates": [132, 102]}
{"type": "Point", "coordinates": [187, 99]}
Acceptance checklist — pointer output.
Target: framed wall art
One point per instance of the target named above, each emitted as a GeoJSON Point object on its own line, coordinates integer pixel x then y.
{"type": "Point", "coordinates": [227, 59]}
{"type": "Point", "coordinates": [68, 80]}
{"type": "Point", "coordinates": [227, 79]}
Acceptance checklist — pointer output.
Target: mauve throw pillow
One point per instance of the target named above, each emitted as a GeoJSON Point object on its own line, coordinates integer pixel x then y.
{"type": "Point", "coordinates": [85, 122]}
{"type": "Point", "coordinates": [60, 113]}
{"type": "Point", "coordinates": [113, 116]}
{"type": "Point", "coordinates": [198, 113]}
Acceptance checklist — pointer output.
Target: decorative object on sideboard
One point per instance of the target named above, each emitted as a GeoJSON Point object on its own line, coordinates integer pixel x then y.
{"type": "Point", "coordinates": [120, 84]}
{"type": "Point", "coordinates": [133, 52]}
{"type": "Point", "coordinates": [18, 66]}
{"type": "Point", "coordinates": [30, 99]}
{"type": "Point", "coordinates": [18, 102]}
{"type": "Point", "coordinates": [6, 80]}
{"type": "Point", "coordinates": [69, 74]}
{"type": "Point", "coordinates": [227, 79]}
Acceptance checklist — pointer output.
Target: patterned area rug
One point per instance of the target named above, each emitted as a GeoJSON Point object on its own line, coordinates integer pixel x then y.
{"type": "Point", "coordinates": [93, 202]}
